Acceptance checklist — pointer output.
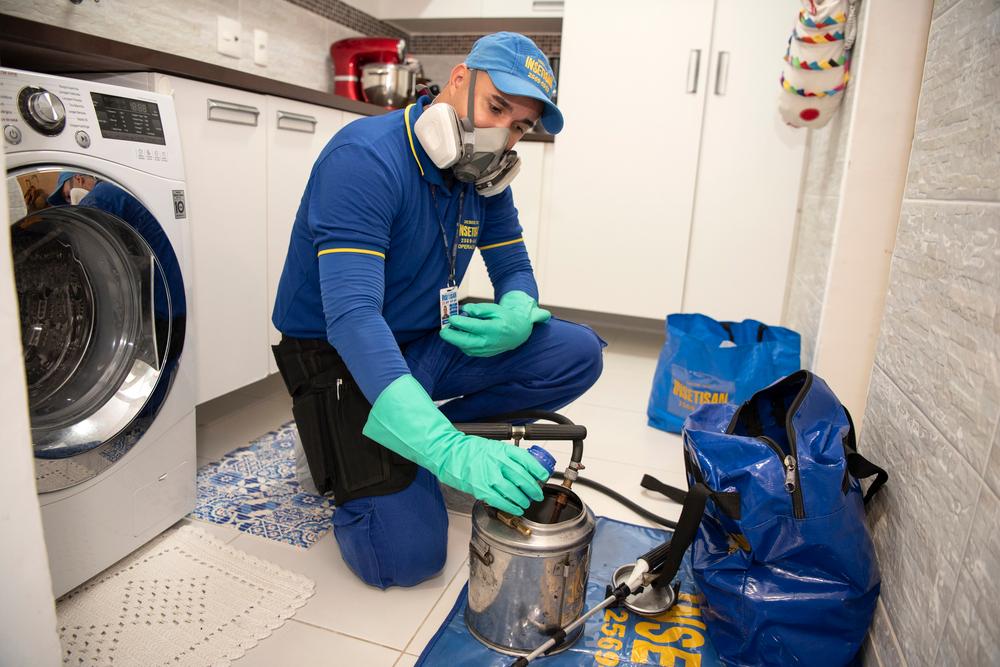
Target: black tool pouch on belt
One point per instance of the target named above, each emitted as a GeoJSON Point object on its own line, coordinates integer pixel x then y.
{"type": "Point", "coordinates": [330, 412]}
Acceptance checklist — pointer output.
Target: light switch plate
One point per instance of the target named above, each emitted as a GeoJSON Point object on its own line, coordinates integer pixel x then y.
{"type": "Point", "coordinates": [260, 47]}
{"type": "Point", "coordinates": [229, 37]}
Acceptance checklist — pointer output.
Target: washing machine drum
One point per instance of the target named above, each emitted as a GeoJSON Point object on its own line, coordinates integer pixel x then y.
{"type": "Point", "coordinates": [102, 322]}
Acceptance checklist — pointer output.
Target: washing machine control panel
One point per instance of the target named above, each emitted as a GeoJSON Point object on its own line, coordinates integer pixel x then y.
{"type": "Point", "coordinates": [138, 128]}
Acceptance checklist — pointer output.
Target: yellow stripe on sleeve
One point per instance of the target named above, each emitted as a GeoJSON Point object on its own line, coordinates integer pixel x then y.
{"type": "Point", "coordinates": [409, 135]}
{"type": "Point", "coordinates": [360, 251]}
{"type": "Point", "coordinates": [498, 245]}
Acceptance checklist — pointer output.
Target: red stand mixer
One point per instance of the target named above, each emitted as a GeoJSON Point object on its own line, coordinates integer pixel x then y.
{"type": "Point", "coordinates": [373, 70]}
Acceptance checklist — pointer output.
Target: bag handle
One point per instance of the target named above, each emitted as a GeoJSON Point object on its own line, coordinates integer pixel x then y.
{"type": "Point", "coordinates": [728, 326]}
{"type": "Point", "coordinates": [860, 467]}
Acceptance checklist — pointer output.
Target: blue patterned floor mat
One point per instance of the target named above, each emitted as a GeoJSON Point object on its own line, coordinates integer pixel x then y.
{"type": "Point", "coordinates": [254, 489]}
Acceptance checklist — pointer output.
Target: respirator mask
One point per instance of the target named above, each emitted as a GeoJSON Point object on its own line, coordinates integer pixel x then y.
{"type": "Point", "coordinates": [475, 154]}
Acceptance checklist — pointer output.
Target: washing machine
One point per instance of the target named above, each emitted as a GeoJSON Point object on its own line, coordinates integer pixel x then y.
{"type": "Point", "coordinates": [101, 250]}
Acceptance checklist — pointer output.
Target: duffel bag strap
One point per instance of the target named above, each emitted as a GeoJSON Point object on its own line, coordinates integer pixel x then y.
{"type": "Point", "coordinates": [728, 502]}
{"type": "Point", "coordinates": [858, 466]}
{"type": "Point", "coordinates": [672, 492]}
{"type": "Point", "coordinates": [671, 552]}
{"type": "Point", "coordinates": [862, 468]}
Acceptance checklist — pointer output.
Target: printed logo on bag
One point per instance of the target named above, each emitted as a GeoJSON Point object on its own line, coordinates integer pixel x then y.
{"type": "Point", "coordinates": [689, 390]}
{"type": "Point", "coordinates": [468, 234]}
{"type": "Point", "coordinates": [696, 397]}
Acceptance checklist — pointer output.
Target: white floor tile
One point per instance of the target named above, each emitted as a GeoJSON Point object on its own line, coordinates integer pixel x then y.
{"type": "Point", "coordinates": [440, 611]}
{"type": "Point", "coordinates": [238, 428]}
{"type": "Point", "coordinates": [345, 604]}
{"type": "Point", "coordinates": [624, 383]}
{"type": "Point", "coordinates": [624, 437]}
{"type": "Point", "coordinates": [406, 660]}
{"type": "Point", "coordinates": [304, 645]}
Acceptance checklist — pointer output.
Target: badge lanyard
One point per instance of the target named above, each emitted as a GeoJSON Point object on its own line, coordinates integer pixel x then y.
{"type": "Point", "coordinates": [448, 296]}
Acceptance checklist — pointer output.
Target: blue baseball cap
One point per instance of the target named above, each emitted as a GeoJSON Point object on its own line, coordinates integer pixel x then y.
{"type": "Point", "coordinates": [518, 67]}
{"type": "Point", "coordinates": [57, 198]}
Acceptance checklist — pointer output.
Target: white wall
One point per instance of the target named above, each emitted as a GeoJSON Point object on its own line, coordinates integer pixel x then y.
{"type": "Point", "coordinates": [298, 39]}
{"type": "Point", "coordinates": [27, 612]}
{"type": "Point", "coordinates": [850, 202]}
{"type": "Point", "coordinates": [878, 151]}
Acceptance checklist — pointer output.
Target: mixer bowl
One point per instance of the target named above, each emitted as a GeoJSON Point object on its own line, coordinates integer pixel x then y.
{"type": "Point", "coordinates": [388, 84]}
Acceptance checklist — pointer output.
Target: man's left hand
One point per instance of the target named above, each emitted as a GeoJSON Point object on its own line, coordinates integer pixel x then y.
{"type": "Point", "coordinates": [490, 328]}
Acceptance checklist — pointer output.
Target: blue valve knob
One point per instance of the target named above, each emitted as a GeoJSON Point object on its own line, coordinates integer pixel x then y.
{"type": "Point", "coordinates": [547, 460]}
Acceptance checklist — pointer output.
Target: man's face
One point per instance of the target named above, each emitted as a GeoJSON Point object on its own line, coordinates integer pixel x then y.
{"type": "Point", "coordinates": [77, 181]}
{"type": "Point", "coordinates": [494, 108]}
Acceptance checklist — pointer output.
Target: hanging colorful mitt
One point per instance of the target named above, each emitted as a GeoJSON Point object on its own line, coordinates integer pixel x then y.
{"type": "Point", "coordinates": [817, 62]}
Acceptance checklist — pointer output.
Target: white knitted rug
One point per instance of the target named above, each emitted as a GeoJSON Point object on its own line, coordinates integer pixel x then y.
{"type": "Point", "coordinates": [184, 599]}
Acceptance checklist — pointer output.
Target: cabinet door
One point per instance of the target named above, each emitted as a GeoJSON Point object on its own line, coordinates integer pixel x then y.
{"type": "Point", "coordinates": [430, 9]}
{"type": "Point", "coordinates": [522, 8]}
{"type": "Point", "coordinates": [224, 161]}
{"type": "Point", "coordinates": [296, 133]}
{"type": "Point", "coordinates": [625, 163]}
{"type": "Point", "coordinates": [527, 188]}
{"type": "Point", "coordinates": [749, 172]}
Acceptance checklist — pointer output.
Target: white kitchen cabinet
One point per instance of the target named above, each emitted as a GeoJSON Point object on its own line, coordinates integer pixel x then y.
{"type": "Point", "coordinates": [430, 9]}
{"type": "Point", "coordinates": [522, 8]}
{"type": "Point", "coordinates": [616, 237]}
{"type": "Point", "coordinates": [749, 170]}
{"type": "Point", "coordinates": [296, 133]}
{"type": "Point", "coordinates": [675, 185]}
{"type": "Point", "coordinates": [223, 137]}
{"type": "Point", "coordinates": [527, 188]}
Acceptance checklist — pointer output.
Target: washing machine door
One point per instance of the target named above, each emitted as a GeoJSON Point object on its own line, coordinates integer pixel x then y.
{"type": "Point", "coordinates": [102, 313]}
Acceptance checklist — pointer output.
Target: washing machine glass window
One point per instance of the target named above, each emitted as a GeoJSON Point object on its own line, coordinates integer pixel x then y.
{"type": "Point", "coordinates": [102, 313]}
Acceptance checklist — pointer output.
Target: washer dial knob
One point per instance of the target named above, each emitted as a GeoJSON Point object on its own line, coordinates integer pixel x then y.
{"type": "Point", "coordinates": [42, 110]}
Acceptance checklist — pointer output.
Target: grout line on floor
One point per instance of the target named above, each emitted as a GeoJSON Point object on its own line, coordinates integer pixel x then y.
{"type": "Point", "coordinates": [343, 634]}
{"type": "Point", "coordinates": [464, 567]}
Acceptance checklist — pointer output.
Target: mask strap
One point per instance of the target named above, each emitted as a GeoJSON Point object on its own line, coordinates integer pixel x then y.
{"type": "Point", "coordinates": [469, 120]}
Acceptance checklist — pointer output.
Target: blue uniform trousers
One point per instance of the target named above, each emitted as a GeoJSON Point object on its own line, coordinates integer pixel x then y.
{"type": "Point", "coordinates": [400, 539]}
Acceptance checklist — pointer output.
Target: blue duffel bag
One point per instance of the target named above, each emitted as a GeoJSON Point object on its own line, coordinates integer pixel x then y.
{"type": "Point", "coordinates": [781, 550]}
{"type": "Point", "coordinates": [704, 361]}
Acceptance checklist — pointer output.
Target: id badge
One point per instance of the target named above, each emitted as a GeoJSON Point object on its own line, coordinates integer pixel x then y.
{"type": "Point", "coordinates": [448, 301]}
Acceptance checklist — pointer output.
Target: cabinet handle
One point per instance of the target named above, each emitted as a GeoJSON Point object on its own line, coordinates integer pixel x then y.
{"type": "Point", "coordinates": [547, 5]}
{"type": "Point", "coordinates": [694, 65]}
{"type": "Point", "coordinates": [292, 118]}
{"type": "Point", "coordinates": [722, 73]}
{"type": "Point", "coordinates": [248, 112]}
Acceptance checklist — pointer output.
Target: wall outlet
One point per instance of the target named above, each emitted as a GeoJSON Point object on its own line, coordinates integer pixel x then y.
{"type": "Point", "coordinates": [260, 47]}
{"type": "Point", "coordinates": [229, 37]}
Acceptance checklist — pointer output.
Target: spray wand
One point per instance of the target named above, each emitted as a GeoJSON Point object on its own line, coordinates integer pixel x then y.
{"type": "Point", "coordinates": [642, 574]}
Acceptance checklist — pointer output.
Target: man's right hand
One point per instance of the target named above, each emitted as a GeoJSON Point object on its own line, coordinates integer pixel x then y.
{"type": "Point", "coordinates": [405, 419]}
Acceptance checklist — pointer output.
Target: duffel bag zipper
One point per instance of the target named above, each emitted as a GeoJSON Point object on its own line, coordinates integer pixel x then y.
{"type": "Point", "coordinates": [792, 482]}
{"type": "Point", "coordinates": [340, 383]}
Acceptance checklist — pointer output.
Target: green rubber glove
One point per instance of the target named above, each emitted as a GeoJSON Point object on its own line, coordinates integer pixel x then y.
{"type": "Point", "coordinates": [494, 328]}
{"type": "Point", "coordinates": [405, 419]}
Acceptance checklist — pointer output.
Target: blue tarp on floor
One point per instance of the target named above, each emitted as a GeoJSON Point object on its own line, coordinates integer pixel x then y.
{"type": "Point", "coordinates": [616, 637]}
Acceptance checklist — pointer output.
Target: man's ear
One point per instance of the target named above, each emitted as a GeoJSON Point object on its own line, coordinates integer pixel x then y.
{"type": "Point", "coordinates": [459, 75]}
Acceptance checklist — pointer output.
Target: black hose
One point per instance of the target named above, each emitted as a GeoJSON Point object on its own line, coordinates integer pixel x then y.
{"type": "Point", "coordinates": [641, 511]}
{"type": "Point", "coordinates": [577, 456]}
{"type": "Point", "coordinates": [521, 415]}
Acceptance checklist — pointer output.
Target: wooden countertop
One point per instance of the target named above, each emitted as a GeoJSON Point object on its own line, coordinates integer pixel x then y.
{"type": "Point", "coordinates": [38, 47]}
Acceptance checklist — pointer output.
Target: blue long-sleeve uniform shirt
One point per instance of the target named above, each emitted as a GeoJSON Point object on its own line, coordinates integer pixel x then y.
{"type": "Point", "coordinates": [366, 259]}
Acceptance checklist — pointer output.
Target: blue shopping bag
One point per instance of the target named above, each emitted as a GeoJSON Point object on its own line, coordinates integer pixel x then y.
{"type": "Point", "coordinates": [704, 361]}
